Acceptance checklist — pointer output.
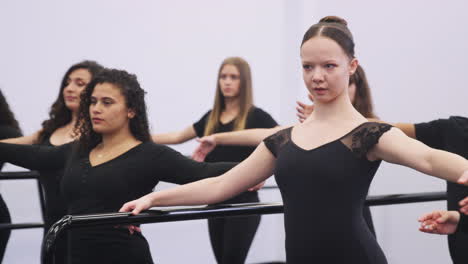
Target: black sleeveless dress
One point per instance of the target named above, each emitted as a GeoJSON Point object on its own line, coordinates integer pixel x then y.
{"type": "Point", "coordinates": [323, 191]}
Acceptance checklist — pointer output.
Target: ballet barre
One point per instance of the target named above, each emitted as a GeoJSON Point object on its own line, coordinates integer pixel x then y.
{"type": "Point", "coordinates": [25, 175]}
{"type": "Point", "coordinates": [194, 213]}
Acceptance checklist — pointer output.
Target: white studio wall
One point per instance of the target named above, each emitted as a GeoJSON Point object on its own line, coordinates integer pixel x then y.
{"type": "Point", "coordinates": [414, 54]}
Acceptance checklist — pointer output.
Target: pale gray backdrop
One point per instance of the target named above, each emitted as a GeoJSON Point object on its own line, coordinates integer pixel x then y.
{"type": "Point", "coordinates": [414, 52]}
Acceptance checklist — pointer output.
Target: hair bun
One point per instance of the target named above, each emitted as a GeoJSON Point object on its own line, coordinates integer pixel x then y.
{"type": "Point", "coordinates": [334, 19]}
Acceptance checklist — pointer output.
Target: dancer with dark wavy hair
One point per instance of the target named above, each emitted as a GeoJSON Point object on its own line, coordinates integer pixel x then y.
{"type": "Point", "coordinates": [56, 131]}
{"type": "Point", "coordinates": [114, 160]}
{"type": "Point", "coordinates": [9, 127]}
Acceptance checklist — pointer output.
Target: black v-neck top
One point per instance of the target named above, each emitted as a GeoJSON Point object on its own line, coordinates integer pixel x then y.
{"type": "Point", "coordinates": [323, 191]}
{"type": "Point", "coordinates": [106, 187]}
{"type": "Point", "coordinates": [257, 118]}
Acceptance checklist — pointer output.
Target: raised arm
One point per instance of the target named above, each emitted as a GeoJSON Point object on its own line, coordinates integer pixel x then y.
{"type": "Point", "coordinates": [35, 157]}
{"type": "Point", "coordinates": [175, 137]}
{"type": "Point", "coordinates": [395, 147]}
{"type": "Point", "coordinates": [253, 170]}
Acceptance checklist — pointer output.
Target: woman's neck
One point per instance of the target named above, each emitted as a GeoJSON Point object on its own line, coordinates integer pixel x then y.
{"type": "Point", "coordinates": [74, 119]}
{"type": "Point", "coordinates": [338, 109]}
{"type": "Point", "coordinates": [232, 105]}
{"type": "Point", "coordinates": [123, 136]}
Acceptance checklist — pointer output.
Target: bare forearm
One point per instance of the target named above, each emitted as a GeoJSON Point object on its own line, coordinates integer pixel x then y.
{"type": "Point", "coordinates": [248, 137]}
{"type": "Point", "coordinates": [175, 137]}
{"type": "Point", "coordinates": [206, 191]}
{"type": "Point", "coordinates": [446, 165]}
{"type": "Point", "coordinates": [407, 128]}
{"type": "Point", "coordinates": [165, 138]}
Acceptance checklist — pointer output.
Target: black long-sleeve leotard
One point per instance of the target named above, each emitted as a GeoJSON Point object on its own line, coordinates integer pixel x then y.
{"type": "Point", "coordinates": [106, 187]}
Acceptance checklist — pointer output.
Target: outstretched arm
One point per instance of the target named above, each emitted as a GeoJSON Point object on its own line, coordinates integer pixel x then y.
{"type": "Point", "coordinates": [253, 170]}
{"type": "Point", "coordinates": [25, 140]}
{"type": "Point", "coordinates": [395, 147]}
{"type": "Point", "coordinates": [175, 137]}
{"type": "Point", "coordinates": [407, 128]}
{"type": "Point", "coordinates": [35, 157]}
{"type": "Point", "coordinates": [247, 137]}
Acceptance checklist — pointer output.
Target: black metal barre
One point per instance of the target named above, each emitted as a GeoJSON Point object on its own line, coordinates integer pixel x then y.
{"type": "Point", "coordinates": [212, 211]}
{"type": "Point", "coordinates": [19, 175]}
{"type": "Point", "coordinates": [21, 226]}
{"type": "Point", "coordinates": [25, 175]}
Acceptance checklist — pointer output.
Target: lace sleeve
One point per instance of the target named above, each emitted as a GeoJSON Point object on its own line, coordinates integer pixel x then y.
{"type": "Point", "coordinates": [277, 140]}
{"type": "Point", "coordinates": [365, 137]}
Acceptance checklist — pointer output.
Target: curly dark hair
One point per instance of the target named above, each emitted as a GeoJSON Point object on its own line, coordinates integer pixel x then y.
{"type": "Point", "coordinates": [59, 114]}
{"type": "Point", "coordinates": [134, 98]}
{"type": "Point", "coordinates": [7, 118]}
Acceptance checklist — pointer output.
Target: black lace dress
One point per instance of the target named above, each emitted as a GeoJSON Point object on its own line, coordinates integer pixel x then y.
{"type": "Point", "coordinates": [323, 191]}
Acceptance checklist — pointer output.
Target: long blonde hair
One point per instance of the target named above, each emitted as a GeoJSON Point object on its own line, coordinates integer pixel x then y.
{"type": "Point", "coordinates": [245, 97]}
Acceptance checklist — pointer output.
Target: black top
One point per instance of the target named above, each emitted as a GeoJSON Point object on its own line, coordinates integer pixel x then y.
{"type": "Point", "coordinates": [106, 187]}
{"type": "Point", "coordinates": [323, 191]}
{"type": "Point", "coordinates": [55, 204]}
{"type": "Point", "coordinates": [257, 118]}
{"type": "Point", "coordinates": [450, 135]}
{"type": "Point", "coordinates": [463, 224]}
{"type": "Point", "coordinates": [8, 132]}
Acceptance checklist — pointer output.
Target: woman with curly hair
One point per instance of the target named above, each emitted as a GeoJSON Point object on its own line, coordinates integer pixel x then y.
{"type": "Point", "coordinates": [8, 128]}
{"type": "Point", "coordinates": [56, 131]}
{"type": "Point", "coordinates": [113, 160]}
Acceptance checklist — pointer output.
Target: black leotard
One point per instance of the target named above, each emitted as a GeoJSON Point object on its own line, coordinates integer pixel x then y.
{"type": "Point", "coordinates": [323, 192]}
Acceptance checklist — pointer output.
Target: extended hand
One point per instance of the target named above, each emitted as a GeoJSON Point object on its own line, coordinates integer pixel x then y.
{"type": "Point", "coordinates": [207, 144]}
{"type": "Point", "coordinates": [136, 206]}
{"type": "Point", "coordinates": [464, 178]}
{"type": "Point", "coordinates": [304, 110]}
{"type": "Point", "coordinates": [464, 205]}
{"type": "Point", "coordinates": [439, 222]}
